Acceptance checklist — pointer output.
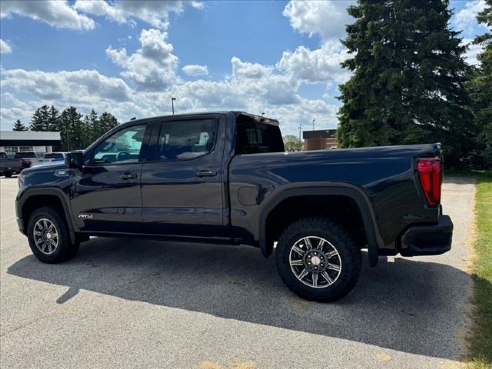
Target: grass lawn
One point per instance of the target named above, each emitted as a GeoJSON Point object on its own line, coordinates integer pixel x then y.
{"type": "Point", "coordinates": [480, 353]}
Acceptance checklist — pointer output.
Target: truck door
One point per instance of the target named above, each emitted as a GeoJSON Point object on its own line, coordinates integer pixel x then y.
{"type": "Point", "coordinates": [183, 186]}
{"type": "Point", "coordinates": [106, 195]}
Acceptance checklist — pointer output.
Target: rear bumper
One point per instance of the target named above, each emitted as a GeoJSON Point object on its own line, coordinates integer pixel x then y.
{"type": "Point", "coordinates": [428, 239]}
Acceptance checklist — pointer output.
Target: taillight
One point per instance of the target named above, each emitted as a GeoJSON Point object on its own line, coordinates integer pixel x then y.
{"type": "Point", "coordinates": [429, 171]}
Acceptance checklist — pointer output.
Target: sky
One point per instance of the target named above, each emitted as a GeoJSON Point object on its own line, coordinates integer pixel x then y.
{"type": "Point", "coordinates": [129, 58]}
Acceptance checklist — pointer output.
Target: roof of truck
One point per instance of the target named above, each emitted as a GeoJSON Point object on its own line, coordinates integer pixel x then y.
{"type": "Point", "coordinates": [258, 118]}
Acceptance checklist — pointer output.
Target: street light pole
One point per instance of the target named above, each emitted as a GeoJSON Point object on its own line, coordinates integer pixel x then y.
{"type": "Point", "coordinates": [314, 120]}
{"type": "Point", "coordinates": [173, 99]}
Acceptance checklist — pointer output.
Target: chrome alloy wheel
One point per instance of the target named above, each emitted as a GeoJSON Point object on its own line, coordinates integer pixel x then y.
{"type": "Point", "coordinates": [45, 236]}
{"type": "Point", "coordinates": [315, 262]}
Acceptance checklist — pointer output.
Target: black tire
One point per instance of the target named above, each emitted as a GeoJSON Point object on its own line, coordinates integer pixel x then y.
{"type": "Point", "coordinates": [8, 174]}
{"type": "Point", "coordinates": [338, 250]}
{"type": "Point", "coordinates": [45, 225]}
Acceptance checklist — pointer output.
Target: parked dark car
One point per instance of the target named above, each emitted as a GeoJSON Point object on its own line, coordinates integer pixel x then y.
{"type": "Point", "coordinates": [8, 165]}
{"type": "Point", "coordinates": [225, 178]}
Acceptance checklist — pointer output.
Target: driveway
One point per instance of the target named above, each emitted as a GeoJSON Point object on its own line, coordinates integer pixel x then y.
{"type": "Point", "coordinates": [140, 304]}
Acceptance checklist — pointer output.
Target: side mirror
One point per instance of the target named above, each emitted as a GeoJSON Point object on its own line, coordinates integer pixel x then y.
{"type": "Point", "coordinates": [75, 159]}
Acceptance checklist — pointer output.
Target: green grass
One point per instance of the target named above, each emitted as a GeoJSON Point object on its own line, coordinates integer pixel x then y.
{"type": "Point", "coordinates": [480, 350]}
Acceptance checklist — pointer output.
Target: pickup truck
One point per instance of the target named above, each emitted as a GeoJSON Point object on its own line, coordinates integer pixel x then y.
{"type": "Point", "coordinates": [225, 178]}
{"type": "Point", "coordinates": [28, 159]}
{"type": "Point", "coordinates": [8, 166]}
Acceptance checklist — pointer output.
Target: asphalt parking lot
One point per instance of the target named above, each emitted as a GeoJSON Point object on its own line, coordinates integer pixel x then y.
{"type": "Point", "coordinates": [129, 303]}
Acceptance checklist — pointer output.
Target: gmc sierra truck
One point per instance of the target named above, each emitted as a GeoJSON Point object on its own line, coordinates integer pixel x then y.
{"type": "Point", "coordinates": [225, 178]}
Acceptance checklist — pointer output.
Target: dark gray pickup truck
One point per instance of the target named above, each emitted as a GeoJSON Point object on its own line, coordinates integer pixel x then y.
{"type": "Point", "coordinates": [9, 166]}
{"type": "Point", "coordinates": [225, 178]}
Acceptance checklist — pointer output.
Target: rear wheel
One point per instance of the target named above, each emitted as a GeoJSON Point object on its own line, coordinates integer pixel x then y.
{"type": "Point", "coordinates": [8, 174]}
{"type": "Point", "coordinates": [318, 260]}
{"type": "Point", "coordinates": [49, 237]}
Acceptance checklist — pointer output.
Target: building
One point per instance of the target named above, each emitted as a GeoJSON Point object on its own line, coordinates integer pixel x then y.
{"type": "Point", "coordinates": [320, 140]}
{"type": "Point", "coordinates": [15, 141]}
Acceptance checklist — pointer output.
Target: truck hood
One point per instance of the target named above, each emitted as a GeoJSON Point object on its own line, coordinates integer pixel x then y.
{"type": "Point", "coordinates": [45, 167]}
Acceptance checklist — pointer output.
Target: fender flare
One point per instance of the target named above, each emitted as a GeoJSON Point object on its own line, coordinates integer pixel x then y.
{"type": "Point", "coordinates": [355, 193]}
{"type": "Point", "coordinates": [31, 192]}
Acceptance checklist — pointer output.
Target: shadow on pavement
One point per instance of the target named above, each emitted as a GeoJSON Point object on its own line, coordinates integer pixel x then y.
{"type": "Point", "coordinates": [404, 305]}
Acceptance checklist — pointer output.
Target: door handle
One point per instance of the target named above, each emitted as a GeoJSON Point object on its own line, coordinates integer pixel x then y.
{"type": "Point", "coordinates": [206, 173]}
{"type": "Point", "coordinates": [127, 176]}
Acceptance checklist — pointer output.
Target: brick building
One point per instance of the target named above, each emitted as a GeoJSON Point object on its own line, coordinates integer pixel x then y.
{"type": "Point", "coordinates": [320, 140]}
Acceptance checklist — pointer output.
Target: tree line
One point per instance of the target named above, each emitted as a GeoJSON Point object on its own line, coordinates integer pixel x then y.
{"type": "Point", "coordinates": [76, 130]}
{"type": "Point", "coordinates": [410, 83]}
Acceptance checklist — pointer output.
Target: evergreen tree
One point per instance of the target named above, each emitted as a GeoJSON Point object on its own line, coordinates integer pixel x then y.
{"type": "Point", "coordinates": [107, 121]}
{"type": "Point", "coordinates": [53, 119]}
{"type": "Point", "coordinates": [40, 119]}
{"type": "Point", "coordinates": [91, 126]}
{"type": "Point", "coordinates": [408, 75]}
{"type": "Point", "coordinates": [18, 126]}
{"type": "Point", "coordinates": [71, 129]}
{"type": "Point", "coordinates": [480, 87]}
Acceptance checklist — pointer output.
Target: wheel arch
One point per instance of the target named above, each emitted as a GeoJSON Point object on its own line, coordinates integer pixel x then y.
{"type": "Point", "coordinates": [333, 191]}
{"type": "Point", "coordinates": [36, 198]}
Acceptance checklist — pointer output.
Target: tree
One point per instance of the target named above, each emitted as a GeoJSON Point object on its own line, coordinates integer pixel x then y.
{"type": "Point", "coordinates": [91, 125]}
{"type": "Point", "coordinates": [479, 87]}
{"type": "Point", "coordinates": [71, 129]}
{"type": "Point", "coordinates": [107, 121]}
{"type": "Point", "coordinates": [292, 143]}
{"type": "Point", "coordinates": [40, 119]}
{"type": "Point", "coordinates": [408, 78]}
{"type": "Point", "coordinates": [53, 119]}
{"type": "Point", "coordinates": [18, 126]}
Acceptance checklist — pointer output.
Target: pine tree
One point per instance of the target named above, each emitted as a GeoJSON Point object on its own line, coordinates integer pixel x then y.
{"type": "Point", "coordinates": [408, 75]}
{"type": "Point", "coordinates": [480, 87]}
{"type": "Point", "coordinates": [53, 119]}
{"type": "Point", "coordinates": [91, 125]}
{"type": "Point", "coordinates": [40, 119]}
{"type": "Point", "coordinates": [18, 126]}
{"type": "Point", "coordinates": [107, 121]}
{"type": "Point", "coordinates": [71, 129]}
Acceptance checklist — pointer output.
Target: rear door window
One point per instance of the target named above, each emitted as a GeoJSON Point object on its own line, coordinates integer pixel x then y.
{"type": "Point", "coordinates": [186, 139]}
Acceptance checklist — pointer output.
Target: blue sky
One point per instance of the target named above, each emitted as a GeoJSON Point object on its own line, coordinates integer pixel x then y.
{"type": "Point", "coordinates": [130, 57]}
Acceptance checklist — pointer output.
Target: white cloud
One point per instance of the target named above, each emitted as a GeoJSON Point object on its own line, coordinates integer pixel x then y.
{"type": "Point", "coordinates": [326, 18]}
{"type": "Point", "coordinates": [195, 70]}
{"type": "Point", "coordinates": [54, 12]}
{"type": "Point", "coordinates": [155, 13]}
{"type": "Point", "coordinates": [466, 18]}
{"type": "Point", "coordinates": [319, 65]}
{"type": "Point", "coordinates": [472, 52]}
{"type": "Point", "coordinates": [153, 66]}
{"type": "Point", "coordinates": [5, 48]}
{"type": "Point", "coordinates": [247, 70]}
{"type": "Point", "coordinates": [81, 86]}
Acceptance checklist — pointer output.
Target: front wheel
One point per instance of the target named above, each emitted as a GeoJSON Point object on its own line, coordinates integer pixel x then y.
{"type": "Point", "coordinates": [318, 260]}
{"type": "Point", "coordinates": [49, 236]}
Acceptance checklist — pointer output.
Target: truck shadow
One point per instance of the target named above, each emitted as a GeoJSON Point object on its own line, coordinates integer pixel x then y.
{"type": "Point", "coordinates": [403, 305]}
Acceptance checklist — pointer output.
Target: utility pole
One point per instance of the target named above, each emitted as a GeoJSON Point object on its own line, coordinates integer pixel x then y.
{"type": "Point", "coordinates": [299, 132]}
{"type": "Point", "coordinates": [314, 120]}
{"type": "Point", "coordinates": [173, 99]}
